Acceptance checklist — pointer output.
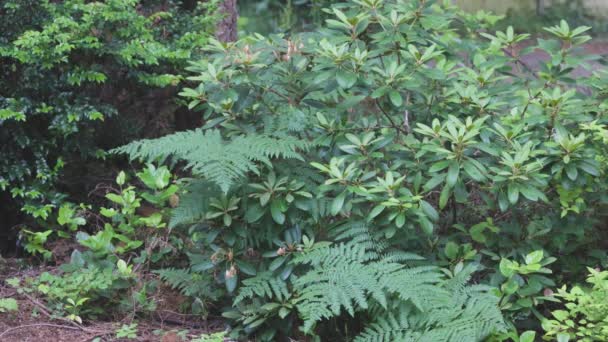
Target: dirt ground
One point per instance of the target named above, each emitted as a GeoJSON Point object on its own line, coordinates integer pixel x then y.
{"type": "Point", "coordinates": [33, 323]}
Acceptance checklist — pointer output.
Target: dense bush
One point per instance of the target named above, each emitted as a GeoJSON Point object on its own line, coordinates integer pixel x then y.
{"type": "Point", "coordinates": [403, 129]}
{"type": "Point", "coordinates": [399, 174]}
{"type": "Point", "coordinates": [78, 77]}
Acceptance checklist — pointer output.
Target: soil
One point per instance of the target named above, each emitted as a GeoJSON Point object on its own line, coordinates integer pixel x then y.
{"type": "Point", "coordinates": [31, 324]}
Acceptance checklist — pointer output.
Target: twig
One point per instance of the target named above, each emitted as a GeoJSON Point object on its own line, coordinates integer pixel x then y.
{"type": "Point", "coordinates": [406, 114]}
{"type": "Point", "coordinates": [40, 306]}
{"type": "Point", "coordinates": [393, 124]}
{"type": "Point", "coordinates": [519, 61]}
{"type": "Point", "coordinates": [532, 98]}
{"type": "Point", "coordinates": [7, 295]}
{"type": "Point", "coordinates": [285, 97]}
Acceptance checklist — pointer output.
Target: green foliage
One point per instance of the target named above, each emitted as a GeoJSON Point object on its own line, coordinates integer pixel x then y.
{"type": "Point", "coordinates": [265, 286]}
{"type": "Point", "coordinates": [127, 331]}
{"type": "Point", "coordinates": [270, 16]}
{"type": "Point", "coordinates": [526, 336]}
{"type": "Point", "coordinates": [576, 12]}
{"type": "Point", "coordinates": [35, 242]}
{"type": "Point", "coordinates": [585, 313]}
{"type": "Point", "coordinates": [68, 216]}
{"type": "Point", "coordinates": [416, 142]}
{"type": "Point", "coordinates": [66, 68]}
{"type": "Point", "coordinates": [523, 285]}
{"type": "Point", "coordinates": [348, 182]}
{"type": "Point", "coordinates": [82, 293]}
{"type": "Point", "coordinates": [263, 300]}
{"type": "Point", "coordinates": [8, 305]}
{"type": "Point", "coordinates": [412, 303]}
{"type": "Point", "coordinates": [215, 337]}
{"type": "Point", "coordinates": [408, 303]}
{"type": "Point", "coordinates": [210, 157]}
{"type": "Point", "coordinates": [122, 233]}
{"type": "Point", "coordinates": [198, 286]}
{"type": "Point", "coordinates": [98, 279]}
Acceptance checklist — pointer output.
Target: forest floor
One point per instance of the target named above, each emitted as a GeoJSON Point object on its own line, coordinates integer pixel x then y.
{"type": "Point", "coordinates": [33, 321]}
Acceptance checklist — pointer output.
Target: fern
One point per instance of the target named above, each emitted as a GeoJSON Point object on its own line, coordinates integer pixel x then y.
{"type": "Point", "coordinates": [263, 285]}
{"type": "Point", "coordinates": [376, 246]}
{"type": "Point", "coordinates": [453, 312]}
{"type": "Point", "coordinates": [208, 155]}
{"type": "Point", "coordinates": [340, 279]}
{"type": "Point", "coordinates": [357, 232]}
{"type": "Point", "coordinates": [189, 283]}
{"type": "Point", "coordinates": [429, 307]}
{"type": "Point", "coordinates": [461, 317]}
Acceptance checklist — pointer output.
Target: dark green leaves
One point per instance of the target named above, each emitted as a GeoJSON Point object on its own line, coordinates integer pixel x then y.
{"type": "Point", "coordinates": [395, 98]}
{"type": "Point", "coordinates": [473, 171]}
{"type": "Point", "coordinates": [426, 225]}
{"type": "Point", "coordinates": [231, 281]}
{"type": "Point", "coordinates": [335, 156]}
{"type": "Point", "coordinates": [337, 203]}
{"type": "Point", "coordinates": [453, 172]}
{"type": "Point", "coordinates": [276, 210]}
{"type": "Point", "coordinates": [444, 196]}
{"type": "Point", "coordinates": [451, 250]}
{"type": "Point", "coordinates": [346, 79]}
{"type": "Point", "coordinates": [438, 166]}
{"type": "Point", "coordinates": [532, 193]}
{"type": "Point", "coordinates": [428, 209]}
{"type": "Point", "coordinates": [513, 193]}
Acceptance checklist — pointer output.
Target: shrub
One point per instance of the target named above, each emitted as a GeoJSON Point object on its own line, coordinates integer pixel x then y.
{"type": "Point", "coordinates": [97, 281]}
{"type": "Point", "coordinates": [73, 73]}
{"type": "Point", "coordinates": [400, 128]}
{"type": "Point", "coordinates": [349, 181]}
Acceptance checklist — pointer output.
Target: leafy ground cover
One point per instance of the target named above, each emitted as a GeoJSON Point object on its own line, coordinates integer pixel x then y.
{"type": "Point", "coordinates": [28, 318]}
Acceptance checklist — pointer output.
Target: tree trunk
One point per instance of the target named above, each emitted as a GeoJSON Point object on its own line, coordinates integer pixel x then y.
{"type": "Point", "coordinates": [540, 7]}
{"type": "Point", "coordinates": [226, 29]}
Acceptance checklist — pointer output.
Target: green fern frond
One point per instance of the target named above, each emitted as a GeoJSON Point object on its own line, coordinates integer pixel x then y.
{"type": "Point", "coordinates": [208, 155]}
{"type": "Point", "coordinates": [459, 318]}
{"type": "Point", "coordinates": [264, 285]}
{"type": "Point", "coordinates": [189, 283]}
{"type": "Point", "coordinates": [401, 256]}
{"type": "Point", "coordinates": [376, 246]}
{"type": "Point", "coordinates": [342, 278]}
{"type": "Point", "coordinates": [391, 327]}
{"type": "Point", "coordinates": [339, 280]}
{"type": "Point", "coordinates": [177, 279]}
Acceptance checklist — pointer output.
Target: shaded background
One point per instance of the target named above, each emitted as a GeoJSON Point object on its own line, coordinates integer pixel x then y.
{"type": "Point", "coordinates": [267, 16]}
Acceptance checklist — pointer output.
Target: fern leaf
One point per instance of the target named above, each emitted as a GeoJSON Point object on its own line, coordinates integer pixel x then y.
{"type": "Point", "coordinates": [208, 155]}
{"type": "Point", "coordinates": [263, 285]}
{"type": "Point", "coordinates": [343, 278]}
